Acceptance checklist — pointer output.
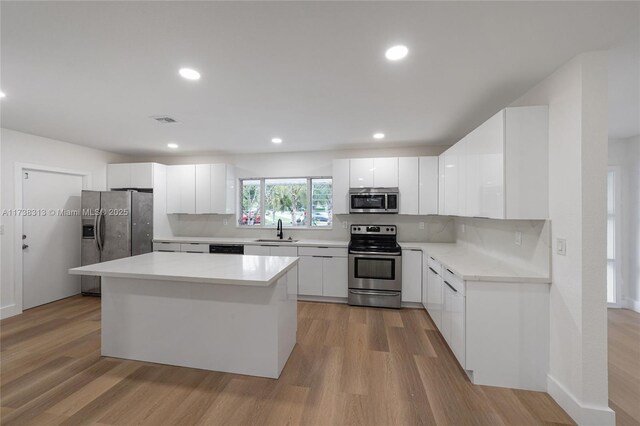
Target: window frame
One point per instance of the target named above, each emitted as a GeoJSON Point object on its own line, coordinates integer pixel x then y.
{"type": "Point", "coordinates": [615, 216]}
{"type": "Point", "coordinates": [261, 211]}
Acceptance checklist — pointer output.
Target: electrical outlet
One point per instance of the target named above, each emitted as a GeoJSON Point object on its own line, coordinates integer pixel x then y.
{"type": "Point", "coordinates": [421, 225]}
{"type": "Point", "coordinates": [225, 221]}
{"type": "Point", "coordinates": [518, 238]}
{"type": "Point", "coordinates": [561, 246]}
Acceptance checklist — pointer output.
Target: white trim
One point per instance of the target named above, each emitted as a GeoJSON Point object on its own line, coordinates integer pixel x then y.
{"type": "Point", "coordinates": [19, 169]}
{"type": "Point", "coordinates": [581, 413]}
{"type": "Point", "coordinates": [632, 304]}
{"type": "Point", "coordinates": [617, 239]}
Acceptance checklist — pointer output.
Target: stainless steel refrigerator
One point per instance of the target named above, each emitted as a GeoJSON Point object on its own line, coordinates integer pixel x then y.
{"type": "Point", "coordinates": [115, 224]}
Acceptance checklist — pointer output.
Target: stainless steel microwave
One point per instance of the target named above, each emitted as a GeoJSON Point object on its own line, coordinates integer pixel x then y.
{"type": "Point", "coordinates": [374, 200]}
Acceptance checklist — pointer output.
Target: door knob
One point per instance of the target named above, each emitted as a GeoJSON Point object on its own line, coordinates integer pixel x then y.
{"type": "Point", "coordinates": [25, 246]}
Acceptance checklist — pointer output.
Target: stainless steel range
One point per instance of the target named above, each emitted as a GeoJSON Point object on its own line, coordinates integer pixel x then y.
{"type": "Point", "coordinates": [375, 266]}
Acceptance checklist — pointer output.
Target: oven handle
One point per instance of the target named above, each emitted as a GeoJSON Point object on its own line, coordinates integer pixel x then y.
{"type": "Point", "coordinates": [374, 253]}
{"type": "Point", "coordinates": [376, 293]}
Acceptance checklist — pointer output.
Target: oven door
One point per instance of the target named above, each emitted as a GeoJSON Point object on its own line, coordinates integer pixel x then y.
{"type": "Point", "coordinates": [375, 272]}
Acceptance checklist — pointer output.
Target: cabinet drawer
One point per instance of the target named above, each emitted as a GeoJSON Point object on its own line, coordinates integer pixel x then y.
{"type": "Point", "coordinates": [323, 251]}
{"type": "Point", "coordinates": [284, 251]}
{"type": "Point", "coordinates": [195, 248]}
{"type": "Point", "coordinates": [166, 247]}
{"type": "Point", "coordinates": [432, 263]}
{"type": "Point", "coordinates": [455, 281]}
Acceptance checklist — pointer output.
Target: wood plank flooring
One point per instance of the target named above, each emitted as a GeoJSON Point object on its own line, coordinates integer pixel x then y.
{"type": "Point", "coordinates": [351, 365]}
{"type": "Point", "coordinates": [624, 365]}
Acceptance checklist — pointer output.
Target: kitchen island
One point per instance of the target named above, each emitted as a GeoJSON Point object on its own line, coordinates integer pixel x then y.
{"type": "Point", "coordinates": [228, 313]}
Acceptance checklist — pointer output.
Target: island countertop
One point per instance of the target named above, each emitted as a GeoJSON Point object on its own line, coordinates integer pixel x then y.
{"type": "Point", "coordinates": [206, 268]}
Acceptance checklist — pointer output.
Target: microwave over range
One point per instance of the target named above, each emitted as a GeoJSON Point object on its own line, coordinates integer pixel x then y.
{"type": "Point", "coordinates": [374, 200]}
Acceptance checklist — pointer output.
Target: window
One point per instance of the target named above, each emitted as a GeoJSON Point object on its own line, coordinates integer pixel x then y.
{"type": "Point", "coordinates": [298, 202]}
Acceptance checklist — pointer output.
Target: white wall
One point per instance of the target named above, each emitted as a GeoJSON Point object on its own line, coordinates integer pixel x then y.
{"type": "Point", "coordinates": [497, 238]}
{"type": "Point", "coordinates": [437, 229]}
{"type": "Point", "coordinates": [577, 98]}
{"type": "Point", "coordinates": [625, 154]}
{"type": "Point", "coordinates": [17, 147]}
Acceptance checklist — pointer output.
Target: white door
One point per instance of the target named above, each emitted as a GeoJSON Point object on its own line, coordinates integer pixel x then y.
{"type": "Point", "coordinates": [52, 243]}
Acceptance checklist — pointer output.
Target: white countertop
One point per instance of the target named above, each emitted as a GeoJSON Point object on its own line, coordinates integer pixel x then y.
{"type": "Point", "coordinates": [251, 241]}
{"type": "Point", "coordinates": [472, 265]}
{"type": "Point", "coordinates": [195, 267]}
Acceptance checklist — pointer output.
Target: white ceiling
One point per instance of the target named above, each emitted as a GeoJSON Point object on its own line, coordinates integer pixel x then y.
{"type": "Point", "coordinates": [312, 73]}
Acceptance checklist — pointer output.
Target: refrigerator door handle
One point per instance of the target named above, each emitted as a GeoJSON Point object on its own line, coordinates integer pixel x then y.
{"type": "Point", "coordinates": [99, 230]}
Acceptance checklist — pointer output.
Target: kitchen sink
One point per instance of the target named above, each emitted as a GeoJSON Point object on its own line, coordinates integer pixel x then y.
{"type": "Point", "coordinates": [275, 240]}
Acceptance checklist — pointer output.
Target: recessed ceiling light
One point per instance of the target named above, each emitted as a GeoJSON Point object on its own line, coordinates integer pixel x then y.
{"type": "Point", "coordinates": [172, 145]}
{"type": "Point", "coordinates": [189, 74]}
{"type": "Point", "coordinates": [276, 140]}
{"type": "Point", "coordinates": [378, 135]}
{"type": "Point", "coordinates": [2, 95]}
{"type": "Point", "coordinates": [396, 53]}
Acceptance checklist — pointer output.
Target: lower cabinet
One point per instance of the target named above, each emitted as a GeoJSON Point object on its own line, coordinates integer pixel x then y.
{"type": "Point", "coordinates": [194, 248]}
{"type": "Point", "coordinates": [412, 276]}
{"type": "Point", "coordinates": [270, 250]}
{"type": "Point", "coordinates": [453, 322]}
{"type": "Point", "coordinates": [323, 272]}
{"type": "Point", "coordinates": [435, 292]}
{"type": "Point", "coordinates": [163, 246]}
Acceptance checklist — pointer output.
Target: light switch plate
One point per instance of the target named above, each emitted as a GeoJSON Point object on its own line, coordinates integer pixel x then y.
{"type": "Point", "coordinates": [518, 238]}
{"type": "Point", "coordinates": [421, 225]}
{"type": "Point", "coordinates": [345, 224]}
{"type": "Point", "coordinates": [225, 221]}
{"type": "Point", "coordinates": [561, 246]}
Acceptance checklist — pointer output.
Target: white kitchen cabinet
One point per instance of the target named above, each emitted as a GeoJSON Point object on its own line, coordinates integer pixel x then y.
{"type": "Point", "coordinates": [340, 186]}
{"type": "Point", "coordinates": [271, 250]}
{"type": "Point", "coordinates": [165, 246]}
{"type": "Point", "coordinates": [323, 271]}
{"type": "Point", "coordinates": [428, 185]}
{"type": "Point", "coordinates": [310, 269]}
{"type": "Point", "coordinates": [385, 172]}
{"type": "Point", "coordinates": [435, 295]}
{"type": "Point", "coordinates": [286, 251]}
{"type": "Point", "coordinates": [257, 250]}
{"type": "Point", "coordinates": [194, 248]}
{"type": "Point", "coordinates": [441, 184]}
{"type": "Point", "coordinates": [412, 276]}
{"type": "Point", "coordinates": [361, 172]}
{"type": "Point", "coordinates": [408, 180]}
{"type": "Point", "coordinates": [130, 175]}
{"type": "Point", "coordinates": [181, 189]}
{"type": "Point", "coordinates": [453, 323]}
{"type": "Point", "coordinates": [335, 276]}
{"type": "Point", "coordinates": [215, 189]}
{"type": "Point", "coordinates": [500, 169]}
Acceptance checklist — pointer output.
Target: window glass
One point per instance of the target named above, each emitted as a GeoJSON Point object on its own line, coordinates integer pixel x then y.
{"type": "Point", "coordinates": [285, 199]}
{"type": "Point", "coordinates": [250, 202]}
{"type": "Point", "coordinates": [321, 202]}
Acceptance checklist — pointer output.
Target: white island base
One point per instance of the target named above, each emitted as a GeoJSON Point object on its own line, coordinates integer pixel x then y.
{"type": "Point", "coordinates": [230, 328]}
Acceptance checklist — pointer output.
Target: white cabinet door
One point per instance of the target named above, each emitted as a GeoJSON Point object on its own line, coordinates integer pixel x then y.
{"type": "Point", "coordinates": [451, 181]}
{"type": "Point", "coordinates": [283, 251]}
{"type": "Point", "coordinates": [310, 275]}
{"type": "Point", "coordinates": [412, 276]}
{"type": "Point", "coordinates": [441, 184]}
{"type": "Point", "coordinates": [335, 276]}
{"type": "Point", "coordinates": [490, 141]}
{"type": "Point", "coordinates": [141, 175]}
{"type": "Point", "coordinates": [231, 194]}
{"type": "Point", "coordinates": [118, 176]}
{"type": "Point", "coordinates": [361, 172]}
{"type": "Point", "coordinates": [473, 193]}
{"type": "Point", "coordinates": [408, 178]}
{"type": "Point", "coordinates": [385, 172]}
{"type": "Point", "coordinates": [457, 331]}
{"type": "Point", "coordinates": [435, 302]}
{"type": "Point", "coordinates": [181, 189]}
{"type": "Point", "coordinates": [425, 290]}
{"type": "Point", "coordinates": [340, 186]}
{"type": "Point", "coordinates": [203, 188]}
{"type": "Point", "coordinates": [445, 330]}
{"type": "Point", "coordinates": [428, 183]}
{"type": "Point", "coordinates": [257, 250]}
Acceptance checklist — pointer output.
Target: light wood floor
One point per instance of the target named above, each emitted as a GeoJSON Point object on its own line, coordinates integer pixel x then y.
{"type": "Point", "coordinates": [351, 366]}
{"type": "Point", "coordinates": [624, 365]}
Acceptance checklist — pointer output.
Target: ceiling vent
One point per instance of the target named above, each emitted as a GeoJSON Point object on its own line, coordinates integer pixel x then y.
{"type": "Point", "coordinates": [165, 119]}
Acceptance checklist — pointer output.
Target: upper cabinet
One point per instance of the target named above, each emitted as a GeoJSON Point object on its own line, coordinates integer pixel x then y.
{"type": "Point", "coordinates": [181, 189]}
{"type": "Point", "coordinates": [500, 170]}
{"type": "Point", "coordinates": [130, 175]}
{"type": "Point", "coordinates": [201, 189]}
{"type": "Point", "coordinates": [373, 172]}
{"type": "Point", "coordinates": [408, 176]}
{"type": "Point", "coordinates": [428, 185]}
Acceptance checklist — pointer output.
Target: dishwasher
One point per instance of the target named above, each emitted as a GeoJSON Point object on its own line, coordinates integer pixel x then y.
{"type": "Point", "coordinates": [226, 248]}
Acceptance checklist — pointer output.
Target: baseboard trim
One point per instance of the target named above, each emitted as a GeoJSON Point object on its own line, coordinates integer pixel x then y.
{"type": "Point", "coordinates": [322, 299]}
{"type": "Point", "coordinates": [632, 304]}
{"type": "Point", "coordinates": [582, 414]}
{"type": "Point", "coordinates": [9, 311]}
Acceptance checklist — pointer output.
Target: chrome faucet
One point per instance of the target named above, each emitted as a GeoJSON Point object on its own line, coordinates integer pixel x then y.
{"type": "Point", "coordinates": [279, 232]}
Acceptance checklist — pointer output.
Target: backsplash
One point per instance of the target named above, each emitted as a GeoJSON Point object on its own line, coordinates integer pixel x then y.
{"type": "Point", "coordinates": [437, 229]}
{"type": "Point", "coordinates": [497, 238]}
